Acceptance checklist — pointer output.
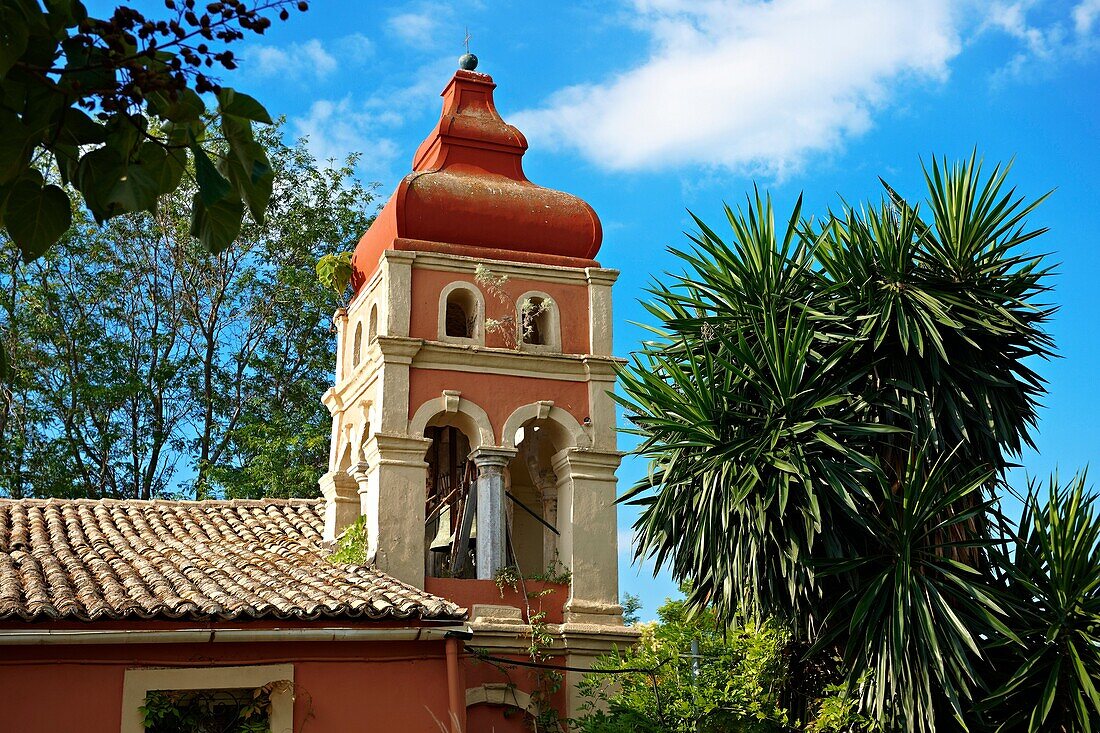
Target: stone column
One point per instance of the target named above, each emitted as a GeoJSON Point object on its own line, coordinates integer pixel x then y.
{"type": "Point", "coordinates": [391, 483]}
{"type": "Point", "coordinates": [492, 547]}
{"type": "Point", "coordinates": [589, 534]}
{"type": "Point", "coordinates": [341, 502]}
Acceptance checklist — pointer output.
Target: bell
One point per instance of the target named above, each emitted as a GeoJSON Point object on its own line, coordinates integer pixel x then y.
{"type": "Point", "coordinates": [443, 536]}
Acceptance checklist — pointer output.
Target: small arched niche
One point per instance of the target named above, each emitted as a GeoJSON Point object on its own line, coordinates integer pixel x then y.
{"type": "Point", "coordinates": [357, 345]}
{"type": "Point", "coordinates": [460, 314]}
{"type": "Point", "coordinates": [539, 322]}
{"type": "Point", "coordinates": [372, 324]}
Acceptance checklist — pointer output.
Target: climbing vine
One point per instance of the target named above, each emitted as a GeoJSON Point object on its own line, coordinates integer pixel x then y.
{"type": "Point", "coordinates": [513, 331]}
{"type": "Point", "coordinates": [222, 710]}
{"type": "Point", "coordinates": [547, 681]}
{"type": "Point", "coordinates": [351, 548]}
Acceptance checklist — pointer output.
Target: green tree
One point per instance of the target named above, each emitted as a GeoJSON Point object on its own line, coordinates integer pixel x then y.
{"type": "Point", "coordinates": [149, 366]}
{"type": "Point", "coordinates": [631, 604]}
{"type": "Point", "coordinates": [828, 410]}
{"type": "Point", "coordinates": [690, 673]}
{"type": "Point", "coordinates": [114, 106]}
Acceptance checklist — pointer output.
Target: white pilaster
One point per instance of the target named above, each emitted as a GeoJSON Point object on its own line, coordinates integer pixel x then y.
{"type": "Point", "coordinates": [589, 541]}
{"type": "Point", "coordinates": [391, 490]}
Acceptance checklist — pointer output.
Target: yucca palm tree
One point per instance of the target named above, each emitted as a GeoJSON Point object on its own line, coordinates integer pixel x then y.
{"type": "Point", "coordinates": [827, 411]}
{"type": "Point", "coordinates": [1051, 677]}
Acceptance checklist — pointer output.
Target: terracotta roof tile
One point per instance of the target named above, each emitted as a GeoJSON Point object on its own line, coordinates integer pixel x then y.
{"type": "Point", "coordinates": [240, 559]}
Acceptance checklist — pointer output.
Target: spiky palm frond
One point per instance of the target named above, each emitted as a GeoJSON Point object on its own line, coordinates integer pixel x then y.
{"type": "Point", "coordinates": [947, 311]}
{"type": "Point", "coordinates": [1053, 568]}
{"type": "Point", "coordinates": [912, 617]}
{"type": "Point", "coordinates": [794, 372]}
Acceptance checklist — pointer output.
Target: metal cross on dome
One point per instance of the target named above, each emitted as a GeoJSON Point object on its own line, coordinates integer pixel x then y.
{"type": "Point", "coordinates": [468, 60]}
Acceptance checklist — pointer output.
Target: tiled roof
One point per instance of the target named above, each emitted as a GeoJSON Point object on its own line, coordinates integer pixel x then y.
{"type": "Point", "coordinates": [106, 559]}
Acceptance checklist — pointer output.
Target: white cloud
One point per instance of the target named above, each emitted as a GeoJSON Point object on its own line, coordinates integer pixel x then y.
{"type": "Point", "coordinates": [1043, 43]}
{"type": "Point", "coordinates": [748, 84]}
{"type": "Point", "coordinates": [1085, 15]}
{"type": "Point", "coordinates": [306, 61]}
{"type": "Point", "coordinates": [337, 127]}
{"type": "Point", "coordinates": [414, 29]}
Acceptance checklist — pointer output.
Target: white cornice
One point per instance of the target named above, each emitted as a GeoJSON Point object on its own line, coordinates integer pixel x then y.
{"type": "Point", "coordinates": [420, 354]}
{"type": "Point", "coordinates": [528, 271]}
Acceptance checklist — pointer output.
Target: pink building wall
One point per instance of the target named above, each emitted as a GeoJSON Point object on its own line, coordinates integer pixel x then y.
{"type": "Point", "coordinates": [361, 686]}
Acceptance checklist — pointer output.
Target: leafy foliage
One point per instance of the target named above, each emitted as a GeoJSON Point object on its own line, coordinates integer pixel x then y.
{"type": "Point", "coordinates": [730, 679]}
{"type": "Point", "coordinates": [200, 711]}
{"type": "Point", "coordinates": [114, 105]}
{"type": "Point", "coordinates": [352, 547]}
{"type": "Point", "coordinates": [632, 605]}
{"type": "Point", "coordinates": [145, 366]}
{"type": "Point", "coordinates": [334, 272]}
{"type": "Point", "coordinates": [84, 91]}
{"type": "Point", "coordinates": [912, 616]}
{"type": "Point", "coordinates": [827, 409]}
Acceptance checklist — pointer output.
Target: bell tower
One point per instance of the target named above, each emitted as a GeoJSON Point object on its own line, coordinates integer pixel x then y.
{"type": "Point", "coordinates": [471, 422]}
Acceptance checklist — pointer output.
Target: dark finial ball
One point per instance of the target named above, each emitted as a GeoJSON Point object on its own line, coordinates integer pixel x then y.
{"type": "Point", "coordinates": [468, 62]}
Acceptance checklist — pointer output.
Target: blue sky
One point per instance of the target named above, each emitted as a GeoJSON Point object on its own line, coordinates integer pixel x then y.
{"type": "Point", "coordinates": [647, 109]}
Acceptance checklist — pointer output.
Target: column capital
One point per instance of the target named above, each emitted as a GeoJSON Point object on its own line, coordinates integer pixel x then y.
{"type": "Point", "coordinates": [601, 276]}
{"type": "Point", "coordinates": [583, 463]}
{"type": "Point", "coordinates": [491, 457]}
{"type": "Point", "coordinates": [398, 349]}
{"type": "Point", "coordinates": [391, 448]}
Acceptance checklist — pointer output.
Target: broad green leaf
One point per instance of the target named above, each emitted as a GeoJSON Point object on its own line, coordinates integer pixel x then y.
{"type": "Point", "coordinates": [36, 217]}
{"type": "Point", "coordinates": [218, 224]}
{"type": "Point", "coordinates": [15, 146]}
{"type": "Point", "coordinates": [86, 68]}
{"type": "Point", "coordinates": [163, 167]}
{"type": "Point", "coordinates": [111, 186]}
{"type": "Point", "coordinates": [97, 174]}
{"type": "Point", "coordinates": [125, 133]}
{"type": "Point", "coordinates": [77, 128]}
{"type": "Point", "coordinates": [186, 107]}
{"type": "Point", "coordinates": [237, 104]}
{"type": "Point", "coordinates": [67, 158]}
{"type": "Point", "coordinates": [139, 185]}
{"type": "Point", "coordinates": [213, 186]}
{"type": "Point", "coordinates": [68, 12]}
{"type": "Point", "coordinates": [335, 271]}
{"type": "Point", "coordinates": [14, 36]}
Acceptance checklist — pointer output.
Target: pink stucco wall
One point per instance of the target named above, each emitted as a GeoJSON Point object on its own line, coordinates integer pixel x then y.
{"type": "Point", "coordinates": [346, 686]}
{"type": "Point", "coordinates": [571, 300]}
{"type": "Point", "coordinates": [339, 686]}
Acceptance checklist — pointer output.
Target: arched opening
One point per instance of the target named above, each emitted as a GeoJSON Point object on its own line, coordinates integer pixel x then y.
{"type": "Point", "coordinates": [357, 345]}
{"type": "Point", "coordinates": [500, 707]}
{"type": "Point", "coordinates": [533, 506]}
{"type": "Point", "coordinates": [372, 324]}
{"type": "Point", "coordinates": [449, 529]}
{"type": "Point", "coordinates": [461, 313]}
